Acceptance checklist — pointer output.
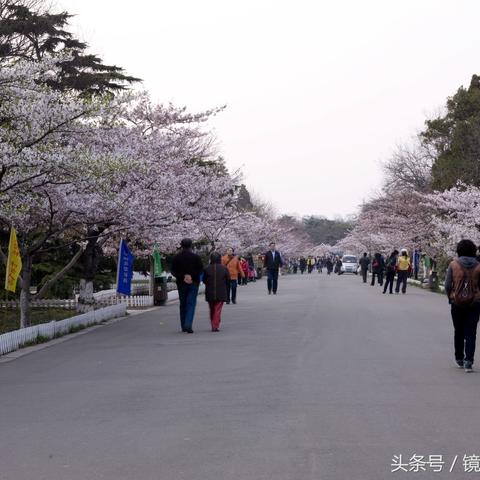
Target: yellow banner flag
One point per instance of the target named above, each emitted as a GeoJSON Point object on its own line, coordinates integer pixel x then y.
{"type": "Point", "coordinates": [14, 262]}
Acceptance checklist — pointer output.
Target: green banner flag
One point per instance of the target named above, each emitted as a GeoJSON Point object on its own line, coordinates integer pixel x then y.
{"type": "Point", "coordinates": [157, 264]}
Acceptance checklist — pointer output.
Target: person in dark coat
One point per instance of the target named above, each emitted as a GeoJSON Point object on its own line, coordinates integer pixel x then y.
{"type": "Point", "coordinates": [329, 265]}
{"type": "Point", "coordinates": [251, 267]}
{"type": "Point", "coordinates": [463, 277]}
{"type": "Point", "coordinates": [303, 265]}
{"type": "Point", "coordinates": [187, 268]}
{"type": "Point", "coordinates": [390, 267]}
{"type": "Point", "coordinates": [338, 266]}
{"type": "Point", "coordinates": [216, 278]}
{"type": "Point", "coordinates": [378, 266]}
{"type": "Point", "coordinates": [273, 261]}
{"type": "Point", "coordinates": [364, 263]}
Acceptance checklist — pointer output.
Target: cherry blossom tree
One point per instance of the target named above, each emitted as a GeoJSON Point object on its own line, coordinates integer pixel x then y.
{"type": "Point", "coordinates": [456, 216]}
{"type": "Point", "coordinates": [401, 220]}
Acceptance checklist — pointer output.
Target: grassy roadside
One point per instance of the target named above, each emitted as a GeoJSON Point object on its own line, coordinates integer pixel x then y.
{"type": "Point", "coordinates": [10, 318]}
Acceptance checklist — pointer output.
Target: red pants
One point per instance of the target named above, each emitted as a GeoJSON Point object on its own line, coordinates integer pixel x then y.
{"type": "Point", "coordinates": [215, 314]}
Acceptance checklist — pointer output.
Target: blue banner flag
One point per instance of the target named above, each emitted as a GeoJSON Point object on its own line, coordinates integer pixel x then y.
{"type": "Point", "coordinates": [125, 269]}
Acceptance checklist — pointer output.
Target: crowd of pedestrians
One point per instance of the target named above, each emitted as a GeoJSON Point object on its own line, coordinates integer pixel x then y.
{"type": "Point", "coordinates": [221, 278]}
{"type": "Point", "coordinates": [223, 275]}
{"type": "Point", "coordinates": [385, 269]}
{"type": "Point", "coordinates": [310, 264]}
{"type": "Point", "coordinates": [462, 286]}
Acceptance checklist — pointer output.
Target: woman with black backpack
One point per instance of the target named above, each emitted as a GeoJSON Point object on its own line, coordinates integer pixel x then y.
{"type": "Point", "coordinates": [462, 285]}
{"type": "Point", "coordinates": [390, 266]}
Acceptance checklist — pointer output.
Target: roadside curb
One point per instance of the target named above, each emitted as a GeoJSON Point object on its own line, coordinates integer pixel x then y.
{"type": "Point", "coordinates": [10, 357]}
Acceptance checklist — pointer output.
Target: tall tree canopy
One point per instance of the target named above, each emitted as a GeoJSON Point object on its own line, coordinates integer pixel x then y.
{"type": "Point", "coordinates": [455, 138]}
{"type": "Point", "coordinates": [28, 30]}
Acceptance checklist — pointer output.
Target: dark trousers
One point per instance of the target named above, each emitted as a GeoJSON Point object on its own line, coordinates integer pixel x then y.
{"type": "Point", "coordinates": [232, 291]}
{"type": "Point", "coordinates": [390, 277]}
{"type": "Point", "coordinates": [465, 320]}
{"type": "Point", "coordinates": [364, 275]}
{"type": "Point", "coordinates": [402, 279]}
{"type": "Point", "coordinates": [379, 278]}
{"type": "Point", "coordinates": [272, 280]}
{"type": "Point", "coordinates": [187, 294]}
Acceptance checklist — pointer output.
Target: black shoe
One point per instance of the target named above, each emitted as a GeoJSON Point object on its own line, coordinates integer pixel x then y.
{"type": "Point", "coordinates": [228, 302]}
{"type": "Point", "coordinates": [269, 292]}
{"type": "Point", "coordinates": [459, 363]}
{"type": "Point", "coordinates": [234, 302]}
{"type": "Point", "coordinates": [189, 330]}
{"type": "Point", "coordinates": [274, 293]}
{"type": "Point", "coordinates": [184, 330]}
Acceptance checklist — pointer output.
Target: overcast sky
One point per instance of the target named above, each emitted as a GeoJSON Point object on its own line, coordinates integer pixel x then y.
{"type": "Point", "coordinates": [318, 92]}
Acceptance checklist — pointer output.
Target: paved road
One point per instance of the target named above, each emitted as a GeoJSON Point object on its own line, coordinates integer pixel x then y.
{"type": "Point", "coordinates": [328, 380]}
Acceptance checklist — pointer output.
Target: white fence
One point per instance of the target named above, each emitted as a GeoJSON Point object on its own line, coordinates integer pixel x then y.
{"type": "Point", "coordinates": [134, 301]}
{"type": "Point", "coordinates": [53, 303]}
{"type": "Point", "coordinates": [14, 340]}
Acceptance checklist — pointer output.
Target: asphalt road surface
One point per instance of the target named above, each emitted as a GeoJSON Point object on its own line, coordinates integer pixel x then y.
{"type": "Point", "coordinates": [329, 379]}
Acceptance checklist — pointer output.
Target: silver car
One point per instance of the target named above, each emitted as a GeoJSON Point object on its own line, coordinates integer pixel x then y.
{"type": "Point", "coordinates": [350, 264]}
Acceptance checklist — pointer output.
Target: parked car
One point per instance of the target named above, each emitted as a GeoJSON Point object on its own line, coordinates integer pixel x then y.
{"type": "Point", "coordinates": [350, 264]}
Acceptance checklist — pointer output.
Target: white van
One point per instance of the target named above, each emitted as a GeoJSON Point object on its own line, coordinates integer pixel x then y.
{"type": "Point", "coordinates": [350, 264]}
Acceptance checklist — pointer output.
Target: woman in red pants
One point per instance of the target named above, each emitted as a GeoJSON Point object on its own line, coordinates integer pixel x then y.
{"type": "Point", "coordinates": [216, 278]}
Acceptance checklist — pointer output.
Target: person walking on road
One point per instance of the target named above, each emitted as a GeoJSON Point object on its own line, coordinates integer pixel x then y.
{"type": "Point", "coordinates": [378, 266]}
{"type": "Point", "coordinates": [403, 269]}
{"type": "Point", "coordinates": [231, 261]}
{"type": "Point", "coordinates": [187, 268]}
{"type": "Point", "coordinates": [303, 265]}
{"type": "Point", "coordinates": [364, 263]}
{"type": "Point", "coordinates": [216, 278]}
{"type": "Point", "coordinates": [390, 267]}
{"type": "Point", "coordinates": [338, 266]}
{"type": "Point", "coordinates": [462, 285]}
{"type": "Point", "coordinates": [244, 265]}
{"type": "Point", "coordinates": [273, 261]}
{"type": "Point", "coordinates": [310, 264]}
{"type": "Point", "coordinates": [329, 265]}
{"type": "Point", "coordinates": [251, 268]}
{"type": "Point", "coordinates": [320, 265]}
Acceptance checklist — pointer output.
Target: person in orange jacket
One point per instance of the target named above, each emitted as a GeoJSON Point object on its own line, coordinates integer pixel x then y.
{"type": "Point", "coordinates": [231, 261]}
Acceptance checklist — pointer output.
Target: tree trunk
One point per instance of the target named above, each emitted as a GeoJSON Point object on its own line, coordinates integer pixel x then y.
{"type": "Point", "coordinates": [86, 301]}
{"type": "Point", "coordinates": [152, 277]}
{"type": "Point", "coordinates": [89, 260]}
{"type": "Point", "coordinates": [25, 292]}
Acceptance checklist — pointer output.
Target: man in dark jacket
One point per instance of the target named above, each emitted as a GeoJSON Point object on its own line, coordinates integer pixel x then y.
{"type": "Point", "coordinates": [364, 263]}
{"type": "Point", "coordinates": [187, 268]}
{"type": "Point", "coordinates": [273, 261]}
{"type": "Point", "coordinates": [390, 268]}
{"type": "Point", "coordinates": [465, 315]}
